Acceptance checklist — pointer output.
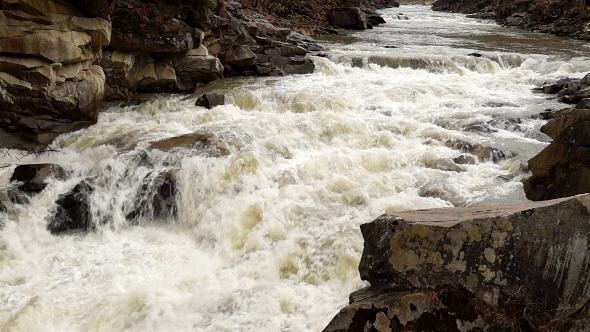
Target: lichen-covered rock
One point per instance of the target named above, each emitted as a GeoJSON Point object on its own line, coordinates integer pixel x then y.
{"type": "Point", "coordinates": [443, 310]}
{"type": "Point", "coordinates": [524, 265]}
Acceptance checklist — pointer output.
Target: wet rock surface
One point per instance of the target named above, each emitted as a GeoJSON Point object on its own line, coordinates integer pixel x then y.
{"type": "Point", "coordinates": [513, 267]}
{"type": "Point", "coordinates": [156, 198]}
{"type": "Point", "coordinates": [73, 210]}
{"type": "Point", "coordinates": [561, 169]}
{"type": "Point", "coordinates": [214, 144]}
{"type": "Point", "coordinates": [211, 99]}
{"type": "Point", "coordinates": [32, 178]}
{"type": "Point", "coordinates": [27, 181]}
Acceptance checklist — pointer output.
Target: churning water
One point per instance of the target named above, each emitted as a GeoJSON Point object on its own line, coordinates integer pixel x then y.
{"type": "Point", "coordinates": [267, 238]}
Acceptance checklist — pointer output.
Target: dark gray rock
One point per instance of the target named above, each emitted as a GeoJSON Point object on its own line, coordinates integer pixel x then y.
{"type": "Point", "coordinates": [211, 99]}
{"type": "Point", "coordinates": [156, 198]}
{"type": "Point", "coordinates": [32, 178]}
{"type": "Point", "coordinates": [73, 211]}
{"type": "Point", "coordinates": [583, 104]}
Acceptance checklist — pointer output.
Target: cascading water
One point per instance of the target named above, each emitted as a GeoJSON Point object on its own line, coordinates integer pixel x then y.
{"type": "Point", "coordinates": [266, 236]}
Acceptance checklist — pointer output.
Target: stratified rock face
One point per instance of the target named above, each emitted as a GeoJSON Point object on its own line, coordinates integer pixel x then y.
{"type": "Point", "coordinates": [524, 266]}
{"type": "Point", "coordinates": [562, 169]}
{"type": "Point", "coordinates": [160, 46]}
{"type": "Point", "coordinates": [48, 81]}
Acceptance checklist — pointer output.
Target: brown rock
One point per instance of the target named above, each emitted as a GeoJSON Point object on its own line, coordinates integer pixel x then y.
{"type": "Point", "coordinates": [560, 170]}
{"type": "Point", "coordinates": [196, 141]}
{"type": "Point", "coordinates": [570, 127]}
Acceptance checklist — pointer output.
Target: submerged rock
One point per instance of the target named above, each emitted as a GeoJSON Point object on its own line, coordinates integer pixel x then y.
{"type": "Point", "coordinates": [348, 18]}
{"type": "Point", "coordinates": [9, 197]}
{"type": "Point", "coordinates": [512, 267]}
{"type": "Point", "coordinates": [482, 152]}
{"type": "Point", "coordinates": [211, 99]}
{"type": "Point", "coordinates": [27, 181]}
{"type": "Point", "coordinates": [156, 198]}
{"type": "Point", "coordinates": [73, 210]}
{"type": "Point", "coordinates": [49, 83]}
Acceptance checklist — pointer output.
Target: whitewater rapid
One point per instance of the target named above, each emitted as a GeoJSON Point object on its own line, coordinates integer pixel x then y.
{"type": "Point", "coordinates": [267, 238]}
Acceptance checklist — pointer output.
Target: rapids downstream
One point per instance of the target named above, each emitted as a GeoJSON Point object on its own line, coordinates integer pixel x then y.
{"type": "Point", "coordinates": [267, 238]}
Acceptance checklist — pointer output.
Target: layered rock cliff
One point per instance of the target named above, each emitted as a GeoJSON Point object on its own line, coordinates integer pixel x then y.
{"type": "Point", "coordinates": [569, 18]}
{"type": "Point", "coordinates": [50, 80]}
{"type": "Point", "coordinates": [60, 59]}
{"type": "Point", "coordinates": [503, 268]}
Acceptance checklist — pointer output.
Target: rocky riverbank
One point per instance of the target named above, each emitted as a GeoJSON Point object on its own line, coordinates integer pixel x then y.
{"type": "Point", "coordinates": [491, 268]}
{"type": "Point", "coordinates": [569, 18]}
{"type": "Point", "coordinates": [562, 169]}
{"type": "Point", "coordinates": [60, 60]}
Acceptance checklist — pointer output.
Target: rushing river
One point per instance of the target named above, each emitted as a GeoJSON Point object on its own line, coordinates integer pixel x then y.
{"type": "Point", "coordinates": [267, 238]}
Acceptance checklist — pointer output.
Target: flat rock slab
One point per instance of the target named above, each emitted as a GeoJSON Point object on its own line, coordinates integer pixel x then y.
{"type": "Point", "coordinates": [530, 261]}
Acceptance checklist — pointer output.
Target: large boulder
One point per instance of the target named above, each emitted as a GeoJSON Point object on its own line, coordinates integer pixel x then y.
{"type": "Point", "coordinates": [156, 198]}
{"type": "Point", "coordinates": [200, 141]}
{"type": "Point", "coordinates": [198, 66]}
{"type": "Point", "coordinates": [348, 18]}
{"type": "Point", "coordinates": [513, 267]}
